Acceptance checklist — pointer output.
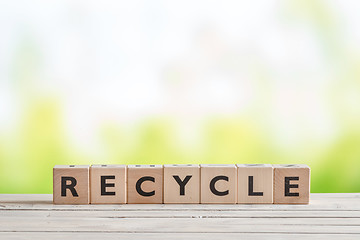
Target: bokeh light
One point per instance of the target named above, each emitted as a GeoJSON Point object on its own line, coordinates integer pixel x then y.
{"type": "Point", "coordinates": [90, 82]}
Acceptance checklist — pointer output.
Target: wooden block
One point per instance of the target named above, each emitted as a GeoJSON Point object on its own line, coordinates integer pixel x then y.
{"type": "Point", "coordinates": [108, 184]}
{"type": "Point", "coordinates": [255, 183]}
{"type": "Point", "coordinates": [218, 183]}
{"type": "Point", "coordinates": [291, 184]}
{"type": "Point", "coordinates": [182, 183]}
{"type": "Point", "coordinates": [71, 184]}
{"type": "Point", "coordinates": [145, 184]}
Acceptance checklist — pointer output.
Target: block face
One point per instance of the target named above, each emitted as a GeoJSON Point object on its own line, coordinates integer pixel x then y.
{"type": "Point", "coordinates": [71, 184]}
{"type": "Point", "coordinates": [291, 184]}
{"type": "Point", "coordinates": [145, 184]}
{"type": "Point", "coordinates": [182, 183]}
{"type": "Point", "coordinates": [255, 183]}
{"type": "Point", "coordinates": [108, 184]}
{"type": "Point", "coordinates": [218, 183]}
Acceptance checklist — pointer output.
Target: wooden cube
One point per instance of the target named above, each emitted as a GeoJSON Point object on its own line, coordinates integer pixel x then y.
{"type": "Point", "coordinates": [181, 183]}
{"type": "Point", "coordinates": [71, 184]}
{"type": "Point", "coordinates": [145, 184]}
{"type": "Point", "coordinates": [291, 184]}
{"type": "Point", "coordinates": [108, 184]}
{"type": "Point", "coordinates": [218, 183]}
{"type": "Point", "coordinates": [255, 183]}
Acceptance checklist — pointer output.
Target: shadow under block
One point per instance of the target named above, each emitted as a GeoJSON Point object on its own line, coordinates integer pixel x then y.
{"type": "Point", "coordinates": [181, 183]}
{"type": "Point", "coordinates": [108, 184]}
{"type": "Point", "coordinates": [218, 183]}
{"type": "Point", "coordinates": [145, 184]}
{"type": "Point", "coordinates": [71, 184]}
{"type": "Point", "coordinates": [255, 183]}
{"type": "Point", "coordinates": [291, 184]}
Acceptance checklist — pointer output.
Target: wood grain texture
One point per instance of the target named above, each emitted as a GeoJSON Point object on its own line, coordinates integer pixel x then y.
{"type": "Point", "coordinates": [151, 186]}
{"type": "Point", "coordinates": [34, 216]}
{"type": "Point", "coordinates": [76, 175]}
{"type": "Point", "coordinates": [114, 181]}
{"type": "Point", "coordinates": [255, 183]}
{"type": "Point", "coordinates": [226, 189]}
{"type": "Point", "coordinates": [189, 176]}
{"type": "Point", "coordinates": [175, 236]}
{"type": "Point", "coordinates": [291, 184]}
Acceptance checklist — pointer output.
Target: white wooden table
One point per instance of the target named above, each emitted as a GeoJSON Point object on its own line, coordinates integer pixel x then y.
{"type": "Point", "coordinates": [328, 216]}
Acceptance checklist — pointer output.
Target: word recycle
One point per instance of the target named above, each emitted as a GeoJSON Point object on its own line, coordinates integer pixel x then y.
{"type": "Point", "coordinates": [181, 183]}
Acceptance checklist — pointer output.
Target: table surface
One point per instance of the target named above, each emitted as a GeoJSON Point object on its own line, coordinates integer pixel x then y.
{"type": "Point", "coordinates": [328, 216]}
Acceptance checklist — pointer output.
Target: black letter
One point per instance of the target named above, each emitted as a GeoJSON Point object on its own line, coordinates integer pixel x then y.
{"type": "Point", "coordinates": [71, 186]}
{"type": "Point", "coordinates": [251, 188]}
{"type": "Point", "coordinates": [138, 186]}
{"type": "Point", "coordinates": [182, 183]}
{"type": "Point", "coordinates": [104, 185]}
{"type": "Point", "coordinates": [212, 185]}
{"type": "Point", "coordinates": [288, 186]}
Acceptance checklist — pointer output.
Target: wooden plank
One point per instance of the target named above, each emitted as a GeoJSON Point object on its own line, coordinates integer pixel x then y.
{"type": "Point", "coordinates": [319, 202]}
{"type": "Point", "coordinates": [181, 225]}
{"type": "Point", "coordinates": [48, 197]}
{"type": "Point", "coordinates": [174, 236]}
{"type": "Point", "coordinates": [181, 214]}
{"type": "Point", "coordinates": [329, 216]}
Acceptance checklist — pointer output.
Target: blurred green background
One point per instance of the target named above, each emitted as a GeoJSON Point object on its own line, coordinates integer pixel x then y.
{"type": "Point", "coordinates": [88, 82]}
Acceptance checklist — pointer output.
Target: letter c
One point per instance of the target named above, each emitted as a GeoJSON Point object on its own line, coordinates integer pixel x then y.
{"type": "Point", "coordinates": [212, 185]}
{"type": "Point", "coordinates": [138, 186]}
